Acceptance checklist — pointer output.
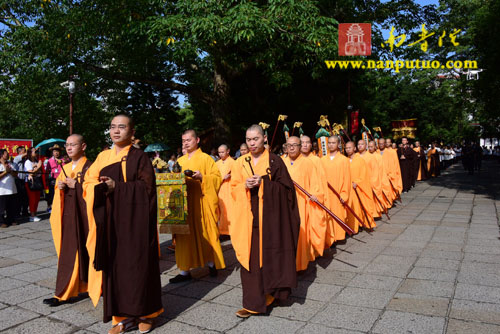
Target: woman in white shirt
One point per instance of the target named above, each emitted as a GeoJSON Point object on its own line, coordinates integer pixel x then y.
{"type": "Point", "coordinates": [33, 165]}
{"type": "Point", "coordinates": [8, 191]}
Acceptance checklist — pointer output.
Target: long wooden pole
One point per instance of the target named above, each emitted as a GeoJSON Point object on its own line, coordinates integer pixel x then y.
{"type": "Point", "coordinates": [381, 205]}
{"type": "Point", "coordinates": [345, 204]}
{"type": "Point", "coordinates": [362, 208]}
{"type": "Point", "coordinates": [337, 219]}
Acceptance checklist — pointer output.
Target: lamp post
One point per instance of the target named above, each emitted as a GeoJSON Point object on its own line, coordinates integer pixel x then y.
{"type": "Point", "coordinates": [71, 88]}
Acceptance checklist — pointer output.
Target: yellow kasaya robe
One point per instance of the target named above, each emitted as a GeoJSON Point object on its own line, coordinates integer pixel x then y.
{"type": "Point", "coordinates": [104, 159]}
{"type": "Point", "coordinates": [391, 171]}
{"type": "Point", "coordinates": [375, 182]}
{"type": "Point", "coordinates": [386, 191]}
{"type": "Point", "coordinates": [224, 195]}
{"type": "Point", "coordinates": [338, 175]}
{"type": "Point", "coordinates": [312, 218]}
{"type": "Point", "coordinates": [430, 154]}
{"type": "Point", "coordinates": [202, 244]}
{"type": "Point", "coordinates": [75, 285]}
{"type": "Point", "coordinates": [397, 169]}
{"type": "Point", "coordinates": [361, 198]}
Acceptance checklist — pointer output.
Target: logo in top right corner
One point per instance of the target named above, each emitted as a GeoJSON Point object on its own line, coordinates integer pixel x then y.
{"type": "Point", "coordinates": [355, 39]}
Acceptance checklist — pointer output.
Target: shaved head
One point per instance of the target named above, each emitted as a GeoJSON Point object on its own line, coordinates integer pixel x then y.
{"type": "Point", "coordinates": [293, 147]}
{"type": "Point", "coordinates": [257, 128]}
{"type": "Point", "coordinates": [361, 146]}
{"type": "Point", "coordinates": [306, 145]}
{"type": "Point", "coordinates": [372, 146]}
{"type": "Point", "coordinates": [77, 137]}
{"type": "Point", "coordinates": [190, 132]}
{"type": "Point", "coordinates": [350, 148]}
{"type": "Point", "coordinates": [131, 123]}
{"type": "Point", "coordinates": [223, 152]}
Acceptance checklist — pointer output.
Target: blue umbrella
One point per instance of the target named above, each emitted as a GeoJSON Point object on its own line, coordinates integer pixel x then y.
{"type": "Point", "coordinates": [48, 143]}
{"type": "Point", "coordinates": [156, 147]}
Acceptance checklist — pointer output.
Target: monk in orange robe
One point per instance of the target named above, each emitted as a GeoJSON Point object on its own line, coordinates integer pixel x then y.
{"type": "Point", "coordinates": [361, 199]}
{"type": "Point", "coordinates": [390, 148]}
{"type": "Point", "coordinates": [391, 169]}
{"type": "Point", "coordinates": [422, 162]}
{"type": "Point", "coordinates": [375, 181]}
{"type": "Point", "coordinates": [69, 225]}
{"type": "Point", "coordinates": [224, 164]}
{"type": "Point", "coordinates": [120, 192]}
{"type": "Point", "coordinates": [201, 246]}
{"type": "Point", "coordinates": [386, 191]}
{"type": "Point", "coordinates": [312, 218]}
{"type": "Point", "coordinates": [338, 176]}
{"type": "Point", "coordinates": [265, 225]}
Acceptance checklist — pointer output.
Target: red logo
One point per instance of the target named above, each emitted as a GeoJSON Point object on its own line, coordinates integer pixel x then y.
{"type": "Point", "coordinates": [355, 39]}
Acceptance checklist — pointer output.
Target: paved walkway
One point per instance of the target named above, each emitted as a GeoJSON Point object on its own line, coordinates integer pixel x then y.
{"type": "Point", "coordinates": [433, 268]}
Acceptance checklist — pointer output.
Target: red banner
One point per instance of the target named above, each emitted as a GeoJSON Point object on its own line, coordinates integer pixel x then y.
{"type": "Point", "coordinates": [12, 144]}
{"type": "Point", "coordinates": [354, 122]}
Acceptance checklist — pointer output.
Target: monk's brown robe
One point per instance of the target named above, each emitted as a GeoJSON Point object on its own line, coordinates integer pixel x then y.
{"type": "Point", "coordinates": [126, 248]}
{"type": "Point", "coordinates": [265, 235]}
{"type": "Point", "coordinates": [70, 228]}
{"type": "Point", "coordinates": [406, 162]}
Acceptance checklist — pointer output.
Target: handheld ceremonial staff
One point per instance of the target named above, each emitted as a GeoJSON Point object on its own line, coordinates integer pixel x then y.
{"type": "Point", "coordinates": [280, 118]}
{"type": "Point", "coordinates": [264, 127]}
{"type": "Point", "coordinates": [397, 192]}
{"type": "Point", "coordinates": [298, 125]}
{"type": "Point", "coordinates": [366, 129]}
{"type": "Point", "coordinates": [337, 219]}
{"type": "Point", "coordinates": [345, 204]}
{"type": "Point", "coordinates": [362, 207]}
{"type": "Point", "coordinates": [59, 163]}
{"type": "Point", "coordinates": [378, 129]}
{"type": "Point", "coordinates": [249, 160]}
{"type": "Point", "coordinates": [380, 203]}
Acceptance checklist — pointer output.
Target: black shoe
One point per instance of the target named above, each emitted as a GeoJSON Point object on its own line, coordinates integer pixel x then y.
{"type": "Point", "coordinates": [180, 278]}
{"type": "Point", "coordinates": [212, 271]}
{"type": "Point", "coordinates": [52, 302]}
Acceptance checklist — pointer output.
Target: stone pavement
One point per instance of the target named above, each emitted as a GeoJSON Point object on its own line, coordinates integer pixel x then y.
{"type": "Point", "coordinates": [433, 268]}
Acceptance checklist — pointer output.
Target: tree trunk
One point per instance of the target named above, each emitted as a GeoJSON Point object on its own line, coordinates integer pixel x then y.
{"type": "Point", "coordinates": [220, 108]}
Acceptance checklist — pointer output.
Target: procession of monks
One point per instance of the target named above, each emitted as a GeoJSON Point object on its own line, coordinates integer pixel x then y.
{"type": "Point", "coordinates": [281, 213]}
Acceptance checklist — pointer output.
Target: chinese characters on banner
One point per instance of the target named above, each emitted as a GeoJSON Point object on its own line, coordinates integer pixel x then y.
{"type": "Point", "coordinates": [12, 144]}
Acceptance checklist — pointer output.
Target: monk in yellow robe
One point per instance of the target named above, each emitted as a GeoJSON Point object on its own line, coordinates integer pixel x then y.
{"type": "Point", "coordinates": [201, 246]}
{"type": "Point", "coordinates": [265, 225]}
{"type": "Point", "coordinates": [312, 218]}
{"type": "Point", "coordinates": [375, 181]}
{"type": "Point", "coordinates": [361, 199]}
{"type": "Point", "coordinates": [306, 149]}
{"type": "Point", "coordinates": [397, 169]}
{"type": "Point", "coordinates": [120, 192]}
{"type": "Point", "coordinates": [384, 179]}
{"type": "Point", "coordinates": [338, 176]}
{"type": "Point", "coordinates": [69, 225]}
{"type": "Point", "coordinates": [224, 164]}
{"type": "Point", "coordinates": [391, 169]}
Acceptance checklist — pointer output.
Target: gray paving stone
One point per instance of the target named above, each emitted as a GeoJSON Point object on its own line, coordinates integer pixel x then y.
{"type": "Point", "coordinates": [233, 298]}
{"type": "Point", "coordinates": [43, 326]}
{"type": "Point", "coordinates": [23, 293]}
{"type": "Point", "coordinates": [376, 282]}
{"type": "Point", "coordinates": [8, 283]}
{"type": "Point", "coordinates": [428, 262]}
{"type": "Point", "coordinates": [267, 325]}
{"type": "Point", "coordinates": [483, 249]}
{"type": "Point", "coordinates": [364, 297]}
{"type": "Point", "coordinates": [427, 288]}
{"type": "Point", "coordinates": [485, 258]}
{"type": "Point", "coordinates": [403, 322]}
{"type": "Point", "coordinates": [82, 314]}
{"type": "Point", "coordinates": [18, 269]}
{"type": "Point", "coordinates": [175, 305]}
{"type": "Point", "coordinates": [37, 305]}
{"type": "Point", "coordinates": [441, 255]}
{"type": "Point", "coordinates": [475, 311]}
{"type": "Point", "coordinates": [298, 309]}
{"type": "Point", "coordinates": [7, 262]}
{"type": "Point", "coordinates": [465, 327]}
{"type": "Point", "coordinates": [179, 327]}
{"type": "Point", "coordinates": [388, 269]}
{"type": "Point", "coordinates": [426, 305]}
{"type": "Point", "coordinates": [36, 275]}
{"type": "Point", "coordinates": [12, 316]}
{"type": "Point", "coordinates": [219, 317]}
{"type": "Point", "coordinates": [319, 275]}
{"type": "Point", "coordinates": [348, 317]}
{"type": "Point", "coordinates": [478, 293]}
{"type": "Point", "coordinates": [201, 290]}
{"type": "Point", "coordinates": [433, 274]}
{"type": "Point", "coordinates": [315, 291]}
{"type": "Point", "coordinates": [320, 329]}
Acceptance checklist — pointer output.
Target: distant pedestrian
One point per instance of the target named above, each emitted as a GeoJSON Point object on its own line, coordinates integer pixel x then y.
{"type": "Point", "coordinates": [8, 190]}
{"type": "Point", "coordinates": [33, 181]}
